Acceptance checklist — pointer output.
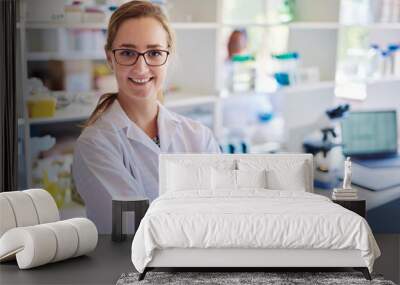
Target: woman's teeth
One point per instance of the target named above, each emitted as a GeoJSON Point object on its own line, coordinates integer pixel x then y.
{"type": "Point", "coordinates": [140, 80]}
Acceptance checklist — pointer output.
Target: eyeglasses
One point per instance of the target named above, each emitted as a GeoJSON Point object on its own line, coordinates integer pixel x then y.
{"type": "Point", "coordinates": [127, 57]}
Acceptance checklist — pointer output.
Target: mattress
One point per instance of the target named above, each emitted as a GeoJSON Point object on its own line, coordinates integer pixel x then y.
{"type": "Point", "coordinates": [251, 219]}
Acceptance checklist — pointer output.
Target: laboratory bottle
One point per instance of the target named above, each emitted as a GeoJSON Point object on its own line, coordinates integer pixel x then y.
{"type": "Point", "coordinates": [384, 63]}
{"type": "Point", "coordinates": [262, 131]}
{"type": "Point", "coordinates": [285, 67]}
{"type": "Point", "coordinates": [397, 62]}
{"type": "Point", "coordinates": [373, 57]}
{"type": "Point", "coordinates": [392, 48]}
{"type": "Point", "coordinates": [242, 74]}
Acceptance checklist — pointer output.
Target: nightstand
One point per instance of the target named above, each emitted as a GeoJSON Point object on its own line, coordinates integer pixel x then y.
{"type": "Point", "coordinates": [357, 206]}
{"type": "Point", "coordinates": [119, 206]}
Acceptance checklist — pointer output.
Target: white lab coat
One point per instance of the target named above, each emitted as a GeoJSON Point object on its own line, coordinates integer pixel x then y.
{"type": "Point", "coordinates": [114, 158]}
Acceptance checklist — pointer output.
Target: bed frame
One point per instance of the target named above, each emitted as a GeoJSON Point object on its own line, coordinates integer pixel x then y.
{"type": "Point", "coordinates": [236, 259]}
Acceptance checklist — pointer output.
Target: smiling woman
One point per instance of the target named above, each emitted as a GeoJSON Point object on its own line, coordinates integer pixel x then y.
{"type": "Point", "coordinates": [136, 20]}
{"type": "Point", "coordinates": [116, 155]}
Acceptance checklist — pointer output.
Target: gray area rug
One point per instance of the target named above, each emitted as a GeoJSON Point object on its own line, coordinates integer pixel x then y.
{"type": "Point", "coordinates": [273, 278]}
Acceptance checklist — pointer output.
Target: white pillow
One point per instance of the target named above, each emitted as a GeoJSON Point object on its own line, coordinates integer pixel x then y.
{"type": "Point", "coordinates": [223, 179]}
{"type": "Point", "coordinates": [188, 177]}
{"type": "Point", "coordinates": [226, 179]}
{"type": "Point", "coordinates": [293, 180]}
{"type": "Point", "coordinates": [251, 178]}
{"type": "Point", "coordinates": [282, 174]}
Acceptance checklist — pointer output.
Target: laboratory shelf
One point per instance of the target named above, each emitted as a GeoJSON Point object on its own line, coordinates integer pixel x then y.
{"type": "Point", "coordinates": [72, 25]}
{"type": "Point", "coordinates": [178, 100]}
{"type": "Point", "coordinates": [291, 25]}
{"type": "Point", "coordinates": [308, 86]}
{"type": "Point", "coordinates": [371, 81]}
{"type": "Point", "coordinates": [253, 24]}
{"type": "Point", "coordinates": [62, 25]}
{"type": "Point", "coordinates": [386, 79]}
{"type": "Point", "coordinates": [386, 26]}
{"type": "Point", "coordinates": [213, 25]}
{"type": "Point", "coordinates": [310, 25]}
{"type": "Point", "coordinates": [194, 25]}
{"type": "Point", "coordinates": [374, 26]}
{"type": "Point", "coordinates": [75, 55]}
{"type": "Point", "coordinates": [80, 112]}
{"type": "Point", "coordinates": [73, 112]}
{"type": "Point", "coordinates": [314, 25]}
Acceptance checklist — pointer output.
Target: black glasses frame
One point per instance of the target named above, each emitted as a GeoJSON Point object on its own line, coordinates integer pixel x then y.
{"type": "Point", "coordinates": [139, 55]}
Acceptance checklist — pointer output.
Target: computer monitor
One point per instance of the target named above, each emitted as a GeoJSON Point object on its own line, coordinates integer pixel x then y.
{"type": "Point", "coordinates": [370, 134]}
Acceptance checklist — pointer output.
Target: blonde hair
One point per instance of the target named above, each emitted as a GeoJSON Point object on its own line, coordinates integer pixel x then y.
{"type": "Point", "coordinates": [131, 10]}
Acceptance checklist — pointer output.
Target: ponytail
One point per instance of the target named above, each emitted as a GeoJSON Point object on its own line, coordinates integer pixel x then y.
{"type": "Point", "coordinates": [104, 103]}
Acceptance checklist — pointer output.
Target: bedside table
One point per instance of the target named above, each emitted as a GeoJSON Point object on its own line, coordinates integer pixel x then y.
{"type": "Point", "coordinates": [121, 205]}
{"type": "Point", "coordinates": [357, 206]}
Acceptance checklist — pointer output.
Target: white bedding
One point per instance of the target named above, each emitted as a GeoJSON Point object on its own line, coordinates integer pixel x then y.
{"type": "Point", "coordinates": [251, 218]}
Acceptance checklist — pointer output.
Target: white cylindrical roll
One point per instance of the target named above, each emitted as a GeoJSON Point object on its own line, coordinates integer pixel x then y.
{"type": "Point", "coordinates": [67, 239]}
{"type": "Point", "coordinates": [87, 234]}
{"type": "Point", "coordinates": [10, 244]}
{"type": "Point", "coordinates": [40, 247]}
{"type": "Point", "coordinates": [24, 210]}
{"type": "Point", "coordinates": [45, 205]}
{"type": "Point", "coordinates": [7, 218]}
{"type": "Point", "coordinates": [34, 246]}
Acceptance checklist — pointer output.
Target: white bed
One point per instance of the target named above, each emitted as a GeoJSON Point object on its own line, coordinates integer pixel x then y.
{"type": "Point", "coordinates": [247, 211]}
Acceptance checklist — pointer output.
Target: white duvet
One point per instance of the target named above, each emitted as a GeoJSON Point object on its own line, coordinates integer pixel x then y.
{"type": "Point", "coordinates": [250, 218]}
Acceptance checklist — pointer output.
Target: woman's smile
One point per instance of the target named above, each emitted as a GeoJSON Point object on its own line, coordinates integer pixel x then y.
{"type": "Point", "coordinates": [140, 81]}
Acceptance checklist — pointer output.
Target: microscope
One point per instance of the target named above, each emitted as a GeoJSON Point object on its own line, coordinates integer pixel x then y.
{"type": "Point", "coordinates": [322, 145]}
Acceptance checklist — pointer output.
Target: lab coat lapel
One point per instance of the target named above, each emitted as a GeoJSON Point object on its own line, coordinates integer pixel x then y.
{"type": "Point", "coordinates": [167, 127]}
{"type": "Point", "coordinates": [121, 121]}
{"type": "Point", "coordinates": [136, 134]}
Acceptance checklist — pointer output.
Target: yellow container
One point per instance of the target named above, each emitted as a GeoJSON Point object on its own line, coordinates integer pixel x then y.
{"type": "Point", "coordinates": [41, 107]}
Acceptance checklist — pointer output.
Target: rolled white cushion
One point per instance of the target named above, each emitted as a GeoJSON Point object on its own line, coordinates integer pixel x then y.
{"type": "Point", "coordinates": [67, 240]}
{"type": "Point", "coordinates": [87, 235]}
{"type": "Point", "coordinates": [41, 244]}
{"type": "Point", "coordinates": [45, 205]}
{"type": "Point", "coordinates": [23, 208]}
{"type": "Point", "coordinates": [33, 246]}
{"type": "Point", "coordinates": [7, 218]}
